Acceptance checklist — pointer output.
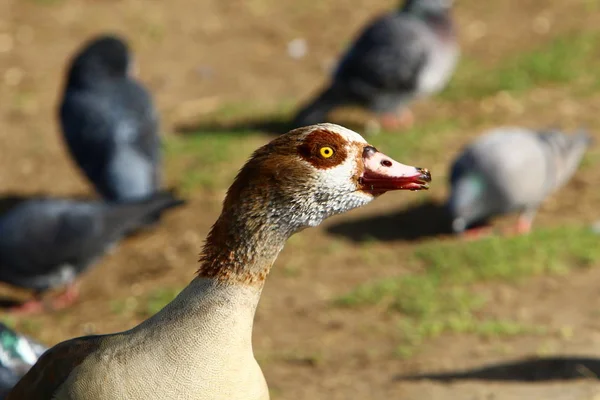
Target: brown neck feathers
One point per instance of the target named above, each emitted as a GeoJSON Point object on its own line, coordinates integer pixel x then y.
{"type": "Point", "coordinates": [256, 219]}
{"type": "Point", "coordinates": [233, 254]}
{"type": "Point", "coordinates": [244, 242]}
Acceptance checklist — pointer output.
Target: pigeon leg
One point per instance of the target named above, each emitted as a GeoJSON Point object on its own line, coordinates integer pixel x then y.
{"type": "Point", "coordinates": [477, 233]}
{"type": "Point", "coordinates": [393, 121]}
{"type": "Point", "coordinates": [406, 118]}
{"type": "Point", "coordinates": [34, 306]}
{"type": "Point", "coordinates": [524, 223]}
{"type": "Point", "coordinates": [37, 305]}
{"type": "Point", "coordinates": [390, 122]}
{"type": "Point", "coordinates": [66, 298]}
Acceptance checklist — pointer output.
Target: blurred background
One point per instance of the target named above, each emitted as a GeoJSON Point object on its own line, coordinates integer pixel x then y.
{"type": "Point", "coordinates": [383, 292]}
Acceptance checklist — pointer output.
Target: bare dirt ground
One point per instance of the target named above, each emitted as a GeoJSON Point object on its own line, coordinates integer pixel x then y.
{"type": "Point", "coordinates": [199, 56]}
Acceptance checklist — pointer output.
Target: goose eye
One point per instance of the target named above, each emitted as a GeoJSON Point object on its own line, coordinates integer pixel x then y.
{"type": "Point", "coordinates": [326, 152]}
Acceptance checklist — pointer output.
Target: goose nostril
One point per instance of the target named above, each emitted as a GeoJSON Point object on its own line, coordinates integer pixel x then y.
{"type": "Point", "coordinates": [386, 163]}
{"type": "Point", "coordinates": [369, 151]}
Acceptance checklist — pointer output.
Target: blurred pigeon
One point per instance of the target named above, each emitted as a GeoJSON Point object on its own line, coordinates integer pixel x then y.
{"type": "Point", "coordinates": [596, 227]}
{"type": "Point", "coordinates": [17, 354]}
{"type": "Point", "coordinates": [109, 122]}
{"type": "Point", "coordinates": [511, 169]}
{"type": "Point", "coordinates": [403, 55]}
{"type": "Point", "coordinates": [46, 243]}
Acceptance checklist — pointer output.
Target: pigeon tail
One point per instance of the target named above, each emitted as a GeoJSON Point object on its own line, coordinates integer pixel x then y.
{"type": "Point", "coordinates": [316, 111]}
{"type": "Point", "coordinates": [565, 153]}
{"type": "Point", "coordinates": [584, 136]}
{"type": "Point", "coordinates": [145, 214]}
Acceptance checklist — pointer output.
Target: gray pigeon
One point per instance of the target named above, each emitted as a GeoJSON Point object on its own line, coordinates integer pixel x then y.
{"type": "Point", "coordinates": [511, 169]}
{"type": "Point", "coordinates": [402, 55]}
{"type": "Point", "coordinates": [109, 122]}
{"type": "Point", "coordinates": [45, 243]}
{"type": "Point", "coordinates": [18, 353]}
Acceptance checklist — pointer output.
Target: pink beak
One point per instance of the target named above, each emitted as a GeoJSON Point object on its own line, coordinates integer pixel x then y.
{"type": "Point", "coordinates": [383, 174]}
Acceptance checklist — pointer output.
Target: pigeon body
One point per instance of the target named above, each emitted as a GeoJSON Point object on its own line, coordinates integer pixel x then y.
{"type": "Point", "coordinates": [17, 354]}
{"type": "Point", "coordinates": [110, 124]}
{"type": "Point", "coordinates": [511, 169]}
{"type": "Point", "coordinates": [403, 55]}
{"type": "Point", "coordinates": [46, 243]}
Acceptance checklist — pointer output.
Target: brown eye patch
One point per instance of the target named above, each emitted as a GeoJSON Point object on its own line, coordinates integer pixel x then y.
{"type": "Point", "coordinates": [311, 149]}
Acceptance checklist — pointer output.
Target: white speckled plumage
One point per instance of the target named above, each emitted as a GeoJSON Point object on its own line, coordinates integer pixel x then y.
{"type": "Point", "coordinates": [207, 354]}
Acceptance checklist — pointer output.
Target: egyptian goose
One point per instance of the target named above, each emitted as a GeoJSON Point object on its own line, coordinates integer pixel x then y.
{"type": "Point", "coordinates": [199, 345]}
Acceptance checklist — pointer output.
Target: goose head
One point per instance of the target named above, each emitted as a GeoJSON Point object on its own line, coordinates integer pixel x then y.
{"type": "Point", "coordinates": [295, 182]}
{"type": "Point", "coordinates": [311, 173]}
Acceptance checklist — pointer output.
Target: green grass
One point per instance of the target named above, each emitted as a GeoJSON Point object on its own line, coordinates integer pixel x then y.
{"type": "Point", "coordinates": [210, 157]}
{"type": "Point", "coordinates": [415, 333]}
{"type": "Point", "coordinates": [424, 139]}
{"type": "Point", "coordinates": [254, 112]}
{"type": "Point", "coordinates": [9, 320]}
{"type": "Point", "coordinates": [543, 251]}
{"type": "Point", "coordinates": [591, 5]}
{"type": "Point", "coordinates": [229, 111]}
{"type": "Point", "coordinates": [590, 159]}
{"type": "Point", "coordinates": [26, 326]}
{"type": "Point", "coordinates": [209, 160]}
{"type": "Point", "coordinates": [158, 299]}
{"type": "Point", "coordinates": [441, 298]}
{"type": "Point", "coordinates": [124, 306]}
{"type": "Point", "coordinates": [563, 61]}
{"type": "Point", "coordinates": [146, 305]}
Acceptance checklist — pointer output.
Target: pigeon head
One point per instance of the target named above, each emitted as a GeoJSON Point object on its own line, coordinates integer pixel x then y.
{"type": "Point", "coordinates": [102, 58]}
{"type": "Point", "coordinates": [424, 7]}
{"type": "Point", "coordinates": [461, 206]}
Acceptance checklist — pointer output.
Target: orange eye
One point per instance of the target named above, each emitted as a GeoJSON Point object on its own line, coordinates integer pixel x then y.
{"type": "Point", "coordinates": [326, 152]}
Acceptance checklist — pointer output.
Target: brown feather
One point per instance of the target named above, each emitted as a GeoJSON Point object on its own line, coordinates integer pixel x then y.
{"type": "Point", "coordinates": [310, 149]}
{"type": "Point", "coordinates": [275, 173]}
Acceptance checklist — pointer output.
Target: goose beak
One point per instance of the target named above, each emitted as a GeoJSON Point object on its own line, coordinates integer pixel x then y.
{"type": "Point", "coordinates": [382, 174]}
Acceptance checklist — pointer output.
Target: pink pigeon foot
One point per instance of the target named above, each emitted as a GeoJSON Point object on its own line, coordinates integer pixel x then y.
{"type": "Point", "coordinates": [477, 233]}
{"type": "Point", "coordinates": [29, 307]}
{"type": "Point", "coordinates": [39, 305]}
{"type": "Point", "coordinates": [391, 121]}
{"type": "Point", "coordinates": [523, 225]}
{"type": "Point", "coordinates": [67, 298]}
{"type": "Point", "coordinates": [407, 118]}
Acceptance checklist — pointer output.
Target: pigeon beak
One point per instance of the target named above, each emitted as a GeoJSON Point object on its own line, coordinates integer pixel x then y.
{"type": "Point", "coordinates": [383, 174]}
{"type": "Point", "coordinates": [459, 226]}
{"type": "Point", "coordinates": [133, 69]}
